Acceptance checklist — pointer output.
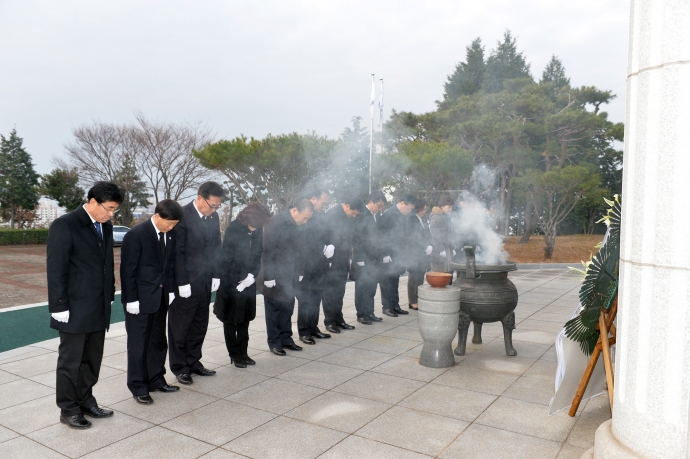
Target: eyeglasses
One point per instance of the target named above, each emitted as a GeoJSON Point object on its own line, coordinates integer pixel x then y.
{"type": "Point", "coordinates": [211, 206]}
{"type": "Point", "coordinates": [114, 212]}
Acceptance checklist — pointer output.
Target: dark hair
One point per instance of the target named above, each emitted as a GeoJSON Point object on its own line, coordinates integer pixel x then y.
{"type": "Point", "coordinates": [105, 191]}
{"type": "Point", "coordinates": [377, 196]}
{"type": "Point", "coordinates": [168, 209]}
{"type": "Point", "coordinates": [304, 204]}
{"type": "Point", "coordinates": [408, 199]}
{"type": "Point", "coordinates": [255, 215]}
{"type": "Point", "coordinates": [354, 202]}
{"type": "Point", "coordinates": [208, 189]}
{"type": "Point", "coordinates": [420, 205]}
{"type": "Point", "coordinates": [445, 200]}
{"type": "Point", "coordinates": [316, 193]}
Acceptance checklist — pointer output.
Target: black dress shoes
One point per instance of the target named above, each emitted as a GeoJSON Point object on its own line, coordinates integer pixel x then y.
{"type": "Point", "coordinates": [293, 347]}
{"type": "Point", "coordinates": [345, 326]}
{"type": "Point", "coordinates": [363, 320]}
{"type": "Point", "coordinates": [400, 311]}
{"type": "Point", "coordinates": [320, 335]}
{"type": "Point", "coordinates": [389, 313]}
{"type": "Point", "coordinates": [333, 328]}
{"type": "Point", "coordinates": [143, 399]}
{"type": "Point", "coordinates": [278, 351]}
{"type": "Point", "coordinates": [96, 412]}
{"type": "Point", "coordinates": [374, 318]}
{"type": "Point", "coordinates": [167, 388]}
{"type": "Point", "coordinates": [185, 378]}
{"type": "Point", "coordinates": [78, 421]}
{"type": "Point", "coordinates": [204, 372]}
{"type": "Point", "coordinates": [307, 340]}
{"type": "Point", "coordinates": [239, 363]}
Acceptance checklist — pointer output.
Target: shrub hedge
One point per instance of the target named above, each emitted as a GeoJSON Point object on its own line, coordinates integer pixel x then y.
{"type": "Point", "coordinates": [23, 236]}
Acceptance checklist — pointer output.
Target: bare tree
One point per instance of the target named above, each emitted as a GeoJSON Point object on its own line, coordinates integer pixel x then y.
{"type": "Point", "coordinates": [97, 152]}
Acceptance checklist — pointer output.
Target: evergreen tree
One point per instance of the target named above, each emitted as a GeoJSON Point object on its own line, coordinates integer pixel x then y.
{"type": "Point", "coordinates": [348, 174]}
{"type": "Point", "coordinates": [554, 73]}
{"type": "Point", "coordinates": [18, 179]}
{"type": "Point", "coordinates": [62, 185]}
{"type": "Point", "coordinates": [468, 76]}
{"type": "Point", "coordinates": [505, 63]}
{"type": "Point", "coordinates": [133, 191]}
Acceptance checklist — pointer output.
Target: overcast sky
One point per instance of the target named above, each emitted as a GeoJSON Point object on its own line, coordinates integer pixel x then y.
{"type": "Point", "coordinates": [258, 67]}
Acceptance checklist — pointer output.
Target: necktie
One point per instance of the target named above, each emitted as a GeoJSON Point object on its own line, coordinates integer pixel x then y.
{"type": "Point", "coordinates": [98, 230]}
{"type": "Point", "coordinates": [161, 244]}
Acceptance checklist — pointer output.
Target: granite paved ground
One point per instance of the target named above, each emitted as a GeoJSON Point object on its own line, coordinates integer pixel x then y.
{"type": "Point", "coordinates": [361, 394]}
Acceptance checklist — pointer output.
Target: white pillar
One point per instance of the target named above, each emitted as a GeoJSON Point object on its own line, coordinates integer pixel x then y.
{"type": "Point", "coordinates": [652, 376]}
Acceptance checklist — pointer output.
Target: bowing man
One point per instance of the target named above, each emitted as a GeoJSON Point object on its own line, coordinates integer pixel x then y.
{"type": "Point", "coordinates": [147, 273]}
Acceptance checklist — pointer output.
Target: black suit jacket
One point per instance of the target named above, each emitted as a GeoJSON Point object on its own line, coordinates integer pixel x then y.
{"type": "Point", "coordinates": [418, 239]}
{"type": "Point", "coordinates": [313, 264]}
{"type": "Point", "coordinates": [197, 251]}
{"type": "Point", "coordinates": [393, 233]}
{"type": "Point", "coordinates": [365, 240]}
{"type": "Point", "coordinates": [145, 276]}
{"type": "Point", "coordinates": [340, 228]}
{"type": "Point", "coordinates": [81, 273]}
{"type": "Point", "coordinates": [279, 258]}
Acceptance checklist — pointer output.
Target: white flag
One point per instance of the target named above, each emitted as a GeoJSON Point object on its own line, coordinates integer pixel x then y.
{"type": "Point", "coordinates": [381, 106]}
{"type": "Point", "coordinates": [373, 97]}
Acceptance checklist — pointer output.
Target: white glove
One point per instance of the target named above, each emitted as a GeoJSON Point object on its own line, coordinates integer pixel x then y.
{"type": "Point", "coordinates": [442, 254]}
{"type": "Point", "coordinates": [185, 290]}
{"type": "Point", "coordinates": [171, 297]}
{"type": "Point", "coordinates": [330, 264]}
{"type": "Point", "coordinates": [61, 316]}
{"type": "Point", "coordinates": [270, 284]}
{"type": "Point", "coordinates": [453, 252]}
{"type": "Point", "coordinates": [387, 259]}
{"type": "Point", "coordinates": [133, 308]}
{"type": "Point", "coordinates": [241, 286]}
{"type": "Point", "coordinates": [328, 250]}
{"type": "Point", "coordinates": [360, 263]}
{"type": "Point", "coordinates": [215, 283]}
{"type": "Point", "coordinates": [428, 250]}
{"type": "Point", "coordinates": [300, 278]}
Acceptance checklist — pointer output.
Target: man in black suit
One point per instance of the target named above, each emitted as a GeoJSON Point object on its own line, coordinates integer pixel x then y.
{"type": "Point", "coordinates": [339, 221]}
{"type": "Point", "coordinates": [278, 276]}
{"type": "Point", "coordinates": [314, 258]}
{"type": "Point", "coordinates": [197, 275]}
{"type": "Point", "coordinates": [147, 273]}
{"type": "Point", "coordinates": [393, 232]}
{"type": "Point", "coordinates": [81, 289]}
{"type": "Point", "coordinates": [366, 258]}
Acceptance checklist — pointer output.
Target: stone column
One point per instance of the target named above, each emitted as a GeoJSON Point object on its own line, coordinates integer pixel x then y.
{"type": "Point", "coordinates": [652, 375]}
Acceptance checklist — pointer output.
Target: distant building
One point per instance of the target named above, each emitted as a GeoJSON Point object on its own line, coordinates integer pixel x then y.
{"type": "Point", "coordinates": [47, 211]}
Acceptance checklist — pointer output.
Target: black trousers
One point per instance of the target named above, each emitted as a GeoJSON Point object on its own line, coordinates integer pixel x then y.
{"type": "Point", "coordinates": [236, 339]}
{"type": "Point", "coordinates": [78, 366]}
{"type": "Point", "coordinates": [147, 348]}
{"type": "Point", "coordinates": [308, 305]}
{"type": "Point", "coordinates": [333, 295]}
{"type": "Point", "coordinates": [389, 291]}
{"type": "Point", "coordinates": [365, 290]}
{"type": "Point", "coordinates": [279, 322]}
{"type": "Point", "coordinates": [414, 280]}
{"type": "Point", "coordinates": [187, 325]}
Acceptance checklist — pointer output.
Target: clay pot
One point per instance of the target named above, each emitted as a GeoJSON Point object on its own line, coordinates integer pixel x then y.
{"type": "Point", "coordinates": [438, 280]}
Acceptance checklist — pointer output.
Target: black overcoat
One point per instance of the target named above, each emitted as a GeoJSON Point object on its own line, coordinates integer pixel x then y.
{"type": "Point", "coordinates": [393, 240]}
{"type": "Point", "coordinates": [279, 258]}
{"type": "Point", "coordinates": [81, 273]}
{"type": "Point", "coordinates": [144, 274]}
{"type": "Point", "coordinates": [418, 239]}
{"type": "Point", "coordinates": [340, 230]}
{"type": "Point", "coordinates": [313, 264]}
{"type": "Point", "coordinates": [241, 255]}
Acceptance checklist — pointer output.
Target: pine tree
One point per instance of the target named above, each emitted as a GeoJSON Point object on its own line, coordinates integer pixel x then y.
{"type": "Point", "coordinates": [133, 191]}
{"type": "Point", "coordinates": [554, 73]}
{"type": "Point", "coordinates": [18, 178]}
{"type": "Point", "coordinates": [468, 76]}
{"type": "Point", "coordinates": [505, 63]}
{"type": "Point", "coordinates": [62, 185]}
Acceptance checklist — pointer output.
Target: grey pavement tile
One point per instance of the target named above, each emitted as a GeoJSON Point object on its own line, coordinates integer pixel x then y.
{"type": "Point", "coordinates": [318, 350]}
{"type": "Point", "coordinates": [21, 391]}
{"type": "Point", "coordinates": [6, 377]}
{"type": "Point", "coordinates": [320, 374]}
{"type": "Point", "coordinates": [257, 325]}
{"type": "Point", "coordinates": [480, 442]}
{"type": "Point", "coordinates": [165, 406]}
{"type": "Point", "coordinates": [542, 369]}
{"type": "Point", "coordinates": [216, 334]}
{"type": "Point", "coordinates": [534, 336]}
{"type": "Point", "coordinates": [23, 448]}
{"type": "Point", "coordinates": [109, 391]}
{"type": "Point", "coordinates": [514, 365]}
{"type": "Point", "coordinates": [414, 430]}
{"type": "Point", "coordinates": [103, 432]}
{"type": "Point", "coordinates": [6, 434]}
{"type": "Point", "coordinates": [354, 447]}
{"type": "Point", "coordinates": [226, 381]}
{"type": "Point", "coordinates": [376, 327]}
{"type": "Point", "coordinates": [533, 419]}
{"type": "Point", "coordinates": [342, 412]}
{"type": "Point", "coordinates": [49, 344]}
{"type": "Point", "coordinates": [476, 380]}
{"type": "Point", "coordinates": [113, 347]}
{"type": "Point", "coordinates": [48, 379]}
{"type": "Point", "coordinates": [276, 395]}
{"type": "Point", "coordinates": [409, 367]}
{"type": "Point", "coordinates": [385, 344]}
{"type": "Point", "coordinates": [533, 390]}
{"type": "Point", "coordinates": [278, 439]}
{"type": "Point", "coordinates": [220, 453]}
{"type": "Point", "coordinates": [272, 365]}
{"type": "Point", "coordinates": [380, 387]}
{"type": "Point", "coordinates": [595, 413]}
{"type": "Point", "coordinates": [550, 354]}
{"type": "Point", "coordinates": [347, 338]}
{"type": "Point", "coordinates": [21, 353]}
{"type": "Point", "coordinates": [541, 325]}
{"type": "Point", "coordinates": [569, 451]}
{"type": "Point", "coordinates": [219, 422]}
{"type": "Point", "coordinates": [557, 318]}
{"type": "Point", "coordinates": [409, 333]}
{"type": "Point", "coordinates": [523, 348]}
{"type": "Point", "coordinates": [217, 355]}
{"type": "Point", "coordinates": [32, 366]}
{"type": "Point", "coordinates": [356, 358]}
{"type": "Point", "coordinates": [448, 401]}
{"type": "Point", "coordinates": [117, 361]}
{"type": "Point", "coordinates": [154, 443]}
{"type": "Point", "coordinates": [416, 351]}
{"type": "Point", "coordinates": [31, 416]}
{"type": "Point", "coordinates": [412, 323]}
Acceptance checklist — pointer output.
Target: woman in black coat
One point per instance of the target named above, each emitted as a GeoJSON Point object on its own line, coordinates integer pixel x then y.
{"type": "Point", "coordinates": [419, 246]}
{"type": "Point", "coordinates": [235, 303]}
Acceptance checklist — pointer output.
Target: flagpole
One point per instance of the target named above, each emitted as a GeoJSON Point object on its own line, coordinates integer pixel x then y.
{"type": "Point", "coordinates": [371, 131]}
{"type": "Point", "coordinates": [381, 115]}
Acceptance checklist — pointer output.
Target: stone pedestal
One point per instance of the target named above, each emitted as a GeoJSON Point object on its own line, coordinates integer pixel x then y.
{"type": "Point", "coordinates": [438, 314]}
{"type": "Point", "coordinates": [652, 375]}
